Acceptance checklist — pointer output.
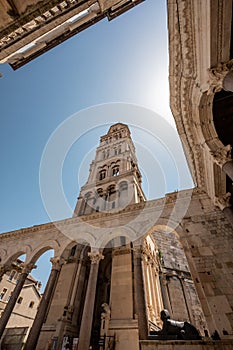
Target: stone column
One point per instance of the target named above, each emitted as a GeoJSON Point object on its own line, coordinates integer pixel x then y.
{"type": "Point", "coordinates": [139, 290]}
{"type": "Point", "coordinates": [222, 157]}
{"type": "Point", "coordinates": [188, 306]}
{"type": "Point", "coordinates": [166, 301]}
{"type": "Point", "coordinates": [228, 168]}
{"type": "Point", "coordinates": [43, 306]}
{"type": "Point", "coordinates": [14, 296]}
{"type": "Point", "coordinates": [227, 83]}
{"type": "Point", "coordinates": [87, 316]}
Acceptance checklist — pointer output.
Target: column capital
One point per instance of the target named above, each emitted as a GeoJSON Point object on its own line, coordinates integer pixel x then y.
{"type": "Point", "coordinates": [95, 257]}
{"type": "Point", "coordinates": [223, 201]}
{"type": "Point", "coordinates": [222, 155]}
{"type": "Point", "coordinates": [217, 76]}
{"type": "Point", "coordinates": [57, 263]}
{"type": "Point", "coordinates": [27, 268]}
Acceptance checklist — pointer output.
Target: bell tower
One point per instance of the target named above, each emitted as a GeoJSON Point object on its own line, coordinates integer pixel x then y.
{"type": "Point", "coordinates": [112, 296]}
{"type": "Point", "coordinates": [114, 180]}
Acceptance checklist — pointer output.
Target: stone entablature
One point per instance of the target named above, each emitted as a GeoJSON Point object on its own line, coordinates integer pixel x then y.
{"type": "Point", "coordinates": [29, 28]}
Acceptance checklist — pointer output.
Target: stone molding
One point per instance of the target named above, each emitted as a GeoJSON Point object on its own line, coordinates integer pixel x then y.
{"type": "Point", "coordinates": [30, 24]}
{"type": "Point", "coordinates": [37, 15]}
{"type": "Point", "coordinates": [121, 251]}
{"type": "Point", "coordinates": [182, 75]}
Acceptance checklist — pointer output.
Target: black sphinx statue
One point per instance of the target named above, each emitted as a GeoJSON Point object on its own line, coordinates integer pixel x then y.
{"type": "Point", "coordinates": [175, 330]}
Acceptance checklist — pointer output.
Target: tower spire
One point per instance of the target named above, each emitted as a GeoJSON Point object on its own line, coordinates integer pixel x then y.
{"type": "Point", "coordinates": [114, 180]}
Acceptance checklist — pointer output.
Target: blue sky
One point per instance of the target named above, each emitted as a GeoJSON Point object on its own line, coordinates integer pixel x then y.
{"type": "Point", "coordinates": [112, 64]}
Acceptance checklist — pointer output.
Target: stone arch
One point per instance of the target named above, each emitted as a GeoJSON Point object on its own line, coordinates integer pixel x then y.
{"type": "Point", "coordinates": [13, 256]}
{"type": "Point", "coordinates": [3, 255]}
{"type": "Point", "coordinates": [115, 168]}
{"type": "Point", "coordinates": [86, 238]}
{"type": "Point", "coordinates": [42, 248]}
{"type": "Point", "coordinates": [126, 232]}
{"type": "Point", "coordinates": [81, 247]}
{"type": "Point", "coordinates": [102, 173]}
{"type": "Point", "coordinates": [215, 153]}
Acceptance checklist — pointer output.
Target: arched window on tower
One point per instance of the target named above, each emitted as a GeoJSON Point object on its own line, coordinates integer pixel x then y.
{"type": "Point", "coordinates": [102, 174]}
{"type": "Point", "coordinates": [111, 195]}
{"type": "Point", "coordinates": [115, 170]}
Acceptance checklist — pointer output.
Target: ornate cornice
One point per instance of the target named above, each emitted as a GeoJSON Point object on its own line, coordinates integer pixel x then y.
{"type": "Point", "coordinates": [182, 74]}
{"type": "Point", "coordinates": [35, 17]}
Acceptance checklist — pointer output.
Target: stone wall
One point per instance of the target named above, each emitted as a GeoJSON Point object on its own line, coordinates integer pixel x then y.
{"type": "Point", "coordinates": [183, 299]}
{"type": "Point", "coordinates": [186, 345]}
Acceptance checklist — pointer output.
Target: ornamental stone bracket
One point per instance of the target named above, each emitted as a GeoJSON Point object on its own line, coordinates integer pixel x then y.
{"type": "Point", "coordinates": [222, 155]}
{"type": "Point", "coordinates": [221, 77]}
{"type": "Point", "coordinates": [223, 201]}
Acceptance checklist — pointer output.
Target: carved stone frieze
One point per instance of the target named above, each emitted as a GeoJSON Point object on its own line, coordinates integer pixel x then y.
{"type": "Point", "coordinates": [182, 74]}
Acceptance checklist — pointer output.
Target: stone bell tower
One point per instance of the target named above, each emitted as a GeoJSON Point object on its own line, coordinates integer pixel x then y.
{"type": "Point", "coordinates": [114, 180]}
{"type": "Point", "coordinates": [107, 296]}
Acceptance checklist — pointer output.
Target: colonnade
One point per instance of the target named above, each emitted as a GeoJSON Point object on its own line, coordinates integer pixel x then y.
{"type": "Point", "coordinates": [86, 324]}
